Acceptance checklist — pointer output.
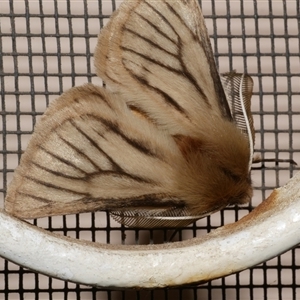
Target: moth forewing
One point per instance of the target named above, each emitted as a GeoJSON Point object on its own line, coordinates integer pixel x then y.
{"type": "Point", "coordinates": [148, 58]}
{"type": "Point", "coordinates": [87, 156]}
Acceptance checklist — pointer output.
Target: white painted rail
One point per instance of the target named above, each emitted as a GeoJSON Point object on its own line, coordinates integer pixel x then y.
{"type": "Point", "coordinates": [272, 228]}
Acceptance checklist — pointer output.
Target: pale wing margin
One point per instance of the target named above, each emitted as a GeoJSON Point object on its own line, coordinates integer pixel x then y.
{"type": "Point", "coordinates": [158, 56]}
{"type": "Point", "coordinates": [90, 152]}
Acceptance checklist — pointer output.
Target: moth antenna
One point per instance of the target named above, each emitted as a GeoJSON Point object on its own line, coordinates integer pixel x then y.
{"type": "Point", "coordinates": [257, 159]}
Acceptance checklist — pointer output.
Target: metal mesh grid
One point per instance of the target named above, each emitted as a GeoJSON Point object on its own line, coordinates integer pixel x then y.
{"type": "Point", "coordinates": [46, 47]}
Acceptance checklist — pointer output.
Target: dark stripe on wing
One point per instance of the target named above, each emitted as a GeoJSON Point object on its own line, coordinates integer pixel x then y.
{"type": "Point", "coordinates": [123, 174]}
{"type": "Point", "coordinates": [57, 173]}
{"type": "Point", "coordinates": [41, 199]}
{"type": "Point", "coordinates": [114, 165]}
{"type": "Point", "coordinates": [140, 112]}
{"type": "Point", "coordinates": [102, 97]}
{"type": "Point", "coordinates": [206, 46]}
{"type": "Point", "coordinates": [77, 150]}
{"type": "Point", "coordinates": [59, 158]}
{"type": "Point", "coordinates": [168, 99]}
{"type": "Point", "coordinates": [162, 17]}
{"type": "Point", "coordinates": [184, 72]}
{"type": "Point", "coordinates": [150, 42]}
{"type": "Point", "coordinates": [53, 186]}
{"type": "Point", "coordinates": [137, 144]}
{"type": "Point", "coordinates": [117, 170]}
{"type": "Point", "coordinates": [191, 78]}
{"type": "Point", "coordinates": [156, 28]}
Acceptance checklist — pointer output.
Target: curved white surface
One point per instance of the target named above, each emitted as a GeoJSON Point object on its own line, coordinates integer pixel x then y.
{"type": "Point", "coordinates": [272, 228]}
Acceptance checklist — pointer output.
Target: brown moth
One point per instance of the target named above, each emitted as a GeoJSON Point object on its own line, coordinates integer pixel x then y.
{"type": "Point", "coordinates": [168, 142]}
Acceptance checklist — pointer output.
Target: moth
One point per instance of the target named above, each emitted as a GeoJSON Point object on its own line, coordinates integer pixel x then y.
{"type": "Point", "coordinates": [168, 141]}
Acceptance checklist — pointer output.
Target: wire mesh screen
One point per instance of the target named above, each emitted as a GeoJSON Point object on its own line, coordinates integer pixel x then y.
{"type": "Point", "coordinates": [47, 47]}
